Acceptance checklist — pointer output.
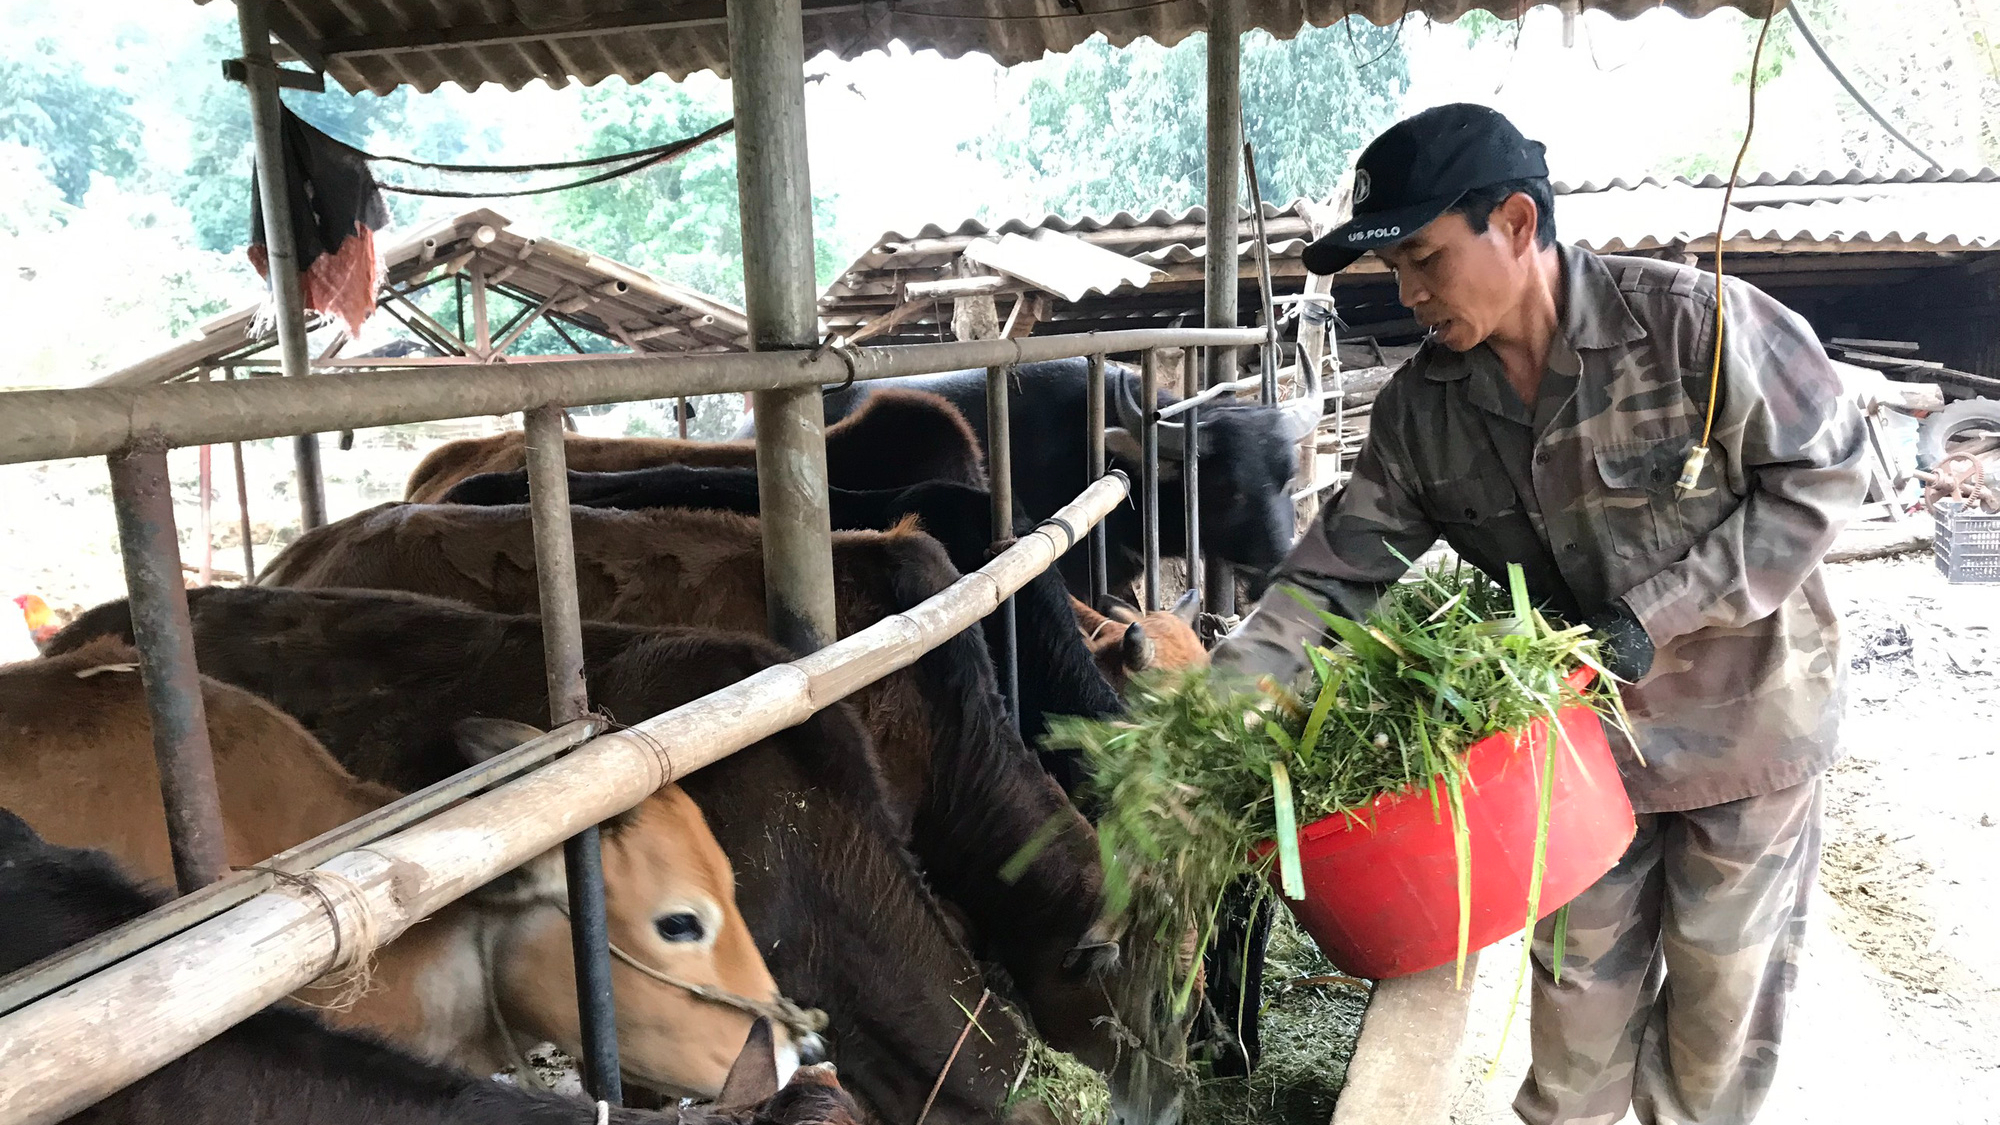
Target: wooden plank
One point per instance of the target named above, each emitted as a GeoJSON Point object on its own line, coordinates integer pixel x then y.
{"type": "Point", "coordinates": [1406, 1062]}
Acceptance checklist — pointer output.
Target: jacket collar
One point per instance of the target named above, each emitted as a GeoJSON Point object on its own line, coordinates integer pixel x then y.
{"type": "Point", "coordinates": [1595, 314]}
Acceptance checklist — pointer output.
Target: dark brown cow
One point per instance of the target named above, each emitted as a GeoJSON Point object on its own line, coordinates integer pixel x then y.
{"type": "Point", "coordinates": [283, 1066]}
{"type": "Point", "coordinates": [900, 438]}
{"type": "Point", "coordinates": [975, 794]}
{"type": "Point", "coordinates": [76, 759]}
{"type": "Point", "coordinates": [838, 910]}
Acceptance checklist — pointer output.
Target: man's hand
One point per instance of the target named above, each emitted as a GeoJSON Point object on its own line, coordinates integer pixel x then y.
{"type": "Point", "coordinates": [1622, 643]}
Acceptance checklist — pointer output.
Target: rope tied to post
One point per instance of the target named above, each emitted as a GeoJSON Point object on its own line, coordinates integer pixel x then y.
{"type": "Point", "coordinates": [350, 972]}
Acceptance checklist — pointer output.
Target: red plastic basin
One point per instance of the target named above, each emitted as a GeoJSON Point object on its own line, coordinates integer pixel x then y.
{"type": "Point", "coordinates": [1382, 886]}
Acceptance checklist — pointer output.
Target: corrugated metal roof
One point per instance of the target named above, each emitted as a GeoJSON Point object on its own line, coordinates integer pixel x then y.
{"type": "Point", "coordinates": [605, 297]}
{"type": "Point", "coordinates": [381, 44]}
{"type": "Point", "coordinates": [1823, 211]}
{"type": "Point", "coordinates": [1798, 177]}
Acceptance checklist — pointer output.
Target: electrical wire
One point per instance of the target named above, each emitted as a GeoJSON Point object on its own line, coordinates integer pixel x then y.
{"type": "Point", "coordinates": [1826, 60]}
{"type": "Point", "coordinates": [657, 155]}
{"type": "Point", "coordinates": [1691, 471]}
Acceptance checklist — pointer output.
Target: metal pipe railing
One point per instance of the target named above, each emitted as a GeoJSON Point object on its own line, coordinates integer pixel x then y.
{"type": "Point", "coordinates": [569, 700]}
{"type": "Point", "coordinates": [120, 1024]}
{"type": "Point", "coordinates": [1100, 560]}
{"type": "Point", "coordinates": [151, 550]}
{"type": "Point", "coordinates": [1000, 488]}
{"type": "Point", "coordinates": [1191, 474]}
{"type": "Point", "coordinates": [92, 421]}
{"type": "Point", "coordinates": [1149, 474]}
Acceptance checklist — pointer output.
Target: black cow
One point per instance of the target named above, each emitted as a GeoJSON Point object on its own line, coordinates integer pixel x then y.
{"type": "Point", "coordinates": [283, 1065]}
{"type": "Point", "coordinates": [1057, 675]}
{"type": "Point", "coordinates": [1247, 457]}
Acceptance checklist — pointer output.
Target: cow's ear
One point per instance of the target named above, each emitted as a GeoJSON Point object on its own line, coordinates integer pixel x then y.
{"type": "Point", "coordinates": [480, 739]}
{"type": "Point", "coordinates": [1188, 607]}
{"type": "Point", "coordinates": [1136, 650]}
{"type": "Point", "coordinates": [753, 1077]}
{"type": "Point", "coordinates": [1118, 610]}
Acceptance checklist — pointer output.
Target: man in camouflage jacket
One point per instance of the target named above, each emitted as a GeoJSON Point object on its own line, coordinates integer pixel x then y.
{"type": "Point", "coordinates": [1546, 421]}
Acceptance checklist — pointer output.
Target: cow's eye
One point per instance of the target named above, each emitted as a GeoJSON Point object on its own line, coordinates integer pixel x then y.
{"type": "Point", "coordinates": [679, 927]}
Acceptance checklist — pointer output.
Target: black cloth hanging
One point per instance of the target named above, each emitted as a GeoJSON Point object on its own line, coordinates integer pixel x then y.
{"type": "Point", "coordinates": [336, 209]}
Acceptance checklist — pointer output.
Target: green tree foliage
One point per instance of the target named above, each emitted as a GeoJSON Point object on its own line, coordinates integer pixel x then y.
{"type": "Point", "coordinates": [1107, 129]}
{"type": "Point", "coordinates": [79, 127]}
{"type": "Point", "coordinates": [677, 220]}
{"type": "Point", "coordinates": [215, 184]}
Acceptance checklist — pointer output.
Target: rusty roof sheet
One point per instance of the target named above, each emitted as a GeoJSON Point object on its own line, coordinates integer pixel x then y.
{"type": "Point", "coordinates": [607, 298]}
{"type": "Point", "coordinates": [382, 44]}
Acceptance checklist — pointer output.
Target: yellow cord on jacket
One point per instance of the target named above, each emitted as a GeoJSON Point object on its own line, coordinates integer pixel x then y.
{"type": "Point", "coordinates": [1691, 471]}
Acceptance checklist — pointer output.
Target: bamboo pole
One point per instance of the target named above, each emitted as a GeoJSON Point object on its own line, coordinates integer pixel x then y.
{"type": "Point", "coordinates": [72, 1049]}
{"type": "Point", "coordinates": [93, 421]}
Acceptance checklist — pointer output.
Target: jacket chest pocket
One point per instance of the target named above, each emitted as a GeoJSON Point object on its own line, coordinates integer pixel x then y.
{"type": "Point", "coordinates": [1635, 508]}
{"type": "Point", "coordinates": [1468, 502]}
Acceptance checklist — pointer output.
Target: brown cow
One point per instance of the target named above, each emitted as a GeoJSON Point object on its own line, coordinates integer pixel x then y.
{"type": "Point", "coordinates": [839, 912]}
{"type": "Point", "coordinates": [76, 760]}
{"type": "Point", "coordinates": [900, 438]}
{"type": "Point", "coordinates": [1124, 641]}
{"type": "Point", "coordinates": [974, 794]}
{"type": "Point", "coordinates": [283, 1066]}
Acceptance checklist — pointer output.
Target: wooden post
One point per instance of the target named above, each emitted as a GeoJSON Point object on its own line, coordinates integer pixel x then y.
{"type": "Point", "coordinates": [205, 481]}
{"type": "Point", "coordinates": [243, 514]}
{"type": "Point", "coordinates": [165, 640]}
{"type": "Point", "coordinates": [569, 700]}
{"type": "Point", "coordinates": [767, 61]}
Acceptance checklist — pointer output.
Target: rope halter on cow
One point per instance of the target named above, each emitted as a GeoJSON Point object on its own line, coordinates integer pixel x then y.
{"type": "Point", "coordinates": [780, 1010]}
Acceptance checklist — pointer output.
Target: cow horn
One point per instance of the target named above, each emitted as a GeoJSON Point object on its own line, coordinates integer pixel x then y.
{"type": "Point", "coordinates": [1173, 435]}
{"type": "Point", "coordinates": [1136, 651]}
{"type": "Point", "coordinates": [1298, 419]}
{"type": "Point", "coordinates": [1186, 606]}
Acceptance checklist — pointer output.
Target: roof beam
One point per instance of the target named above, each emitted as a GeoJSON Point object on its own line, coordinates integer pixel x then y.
{"type": "Point", "coordinates": [510, 32]}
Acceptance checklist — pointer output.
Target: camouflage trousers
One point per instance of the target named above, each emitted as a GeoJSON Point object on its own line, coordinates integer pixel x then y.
{"type": "Point", "coordinates": [1676, 969]}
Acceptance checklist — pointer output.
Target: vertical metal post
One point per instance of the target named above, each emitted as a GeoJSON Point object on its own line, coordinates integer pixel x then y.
{"type": "Point", "coordinates": [1100, 563]}
{"type": "Point", "coordinates": [1221, 276]}
{"type": "Point", "coordinates": [1000, 483]}
{"type": "Point", "coordinates": [267, 128]}
{"type": "Point", "coordinates": [165, 640]}
{"type": "Point", "coordinates": [767, 63]}
{"type": "Point", "coordinates": [1191, 482]}
{"type": "Point", "coordinates": [1225, 143]}
{"type": "Point", "coordinates": [1149, 473]}
{"type": "Point", "coordinates": [1269, 389]}
{"type": "Point", "coordinates": [569, 699]}
{"type": "Point", "coordinates": [243, 515]}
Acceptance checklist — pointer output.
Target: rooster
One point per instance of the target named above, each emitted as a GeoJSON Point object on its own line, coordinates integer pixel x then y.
{"type": "Point", "coordinates": [41, 620]}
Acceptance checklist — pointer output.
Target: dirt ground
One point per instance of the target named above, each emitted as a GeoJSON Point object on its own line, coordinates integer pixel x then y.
{"type": "Point", "coordinates": [1897, 1013]}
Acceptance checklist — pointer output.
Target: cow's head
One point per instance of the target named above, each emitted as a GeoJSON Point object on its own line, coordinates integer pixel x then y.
{"type": "Point", "coordinates": [1247, 454]}
{"type": "Point", "coordinates": [670, 909]}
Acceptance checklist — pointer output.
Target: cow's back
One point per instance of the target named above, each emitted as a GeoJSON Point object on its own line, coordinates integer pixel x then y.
{"type": "Point", "coordinates": [76, 761]}
{"type": "Point", "coordinates": [901, 438]}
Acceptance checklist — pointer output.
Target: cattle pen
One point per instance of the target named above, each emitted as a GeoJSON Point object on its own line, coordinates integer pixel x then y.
{"type": "Point", "coordinates": [84, 1024]}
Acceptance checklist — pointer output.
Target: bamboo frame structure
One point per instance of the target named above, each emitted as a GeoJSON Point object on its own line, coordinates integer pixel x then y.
{"type": "Point", "coordinates": [73, 1048]}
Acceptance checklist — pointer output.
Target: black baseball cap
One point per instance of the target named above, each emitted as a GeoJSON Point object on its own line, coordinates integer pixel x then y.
{"type": "Point", "coordinates": [1417, 170]}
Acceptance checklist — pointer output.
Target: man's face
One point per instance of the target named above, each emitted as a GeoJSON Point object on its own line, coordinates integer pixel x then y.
{"type": "Point", "coordinates": [1462, 285]}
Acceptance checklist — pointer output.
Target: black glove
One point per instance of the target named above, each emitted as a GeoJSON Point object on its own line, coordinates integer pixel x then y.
{"type": "Point", "coordinates": [1622, 643]}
